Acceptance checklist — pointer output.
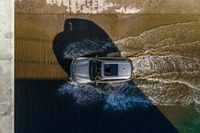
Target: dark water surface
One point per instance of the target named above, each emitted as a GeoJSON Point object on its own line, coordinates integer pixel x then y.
{"type": "Point", "coordinates": [40, 108]}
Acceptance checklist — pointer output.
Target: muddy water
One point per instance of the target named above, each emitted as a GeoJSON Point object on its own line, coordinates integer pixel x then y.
{"type": "Point", "coordinates": [34, 34]}
{"type": "Point", "coordinates": [165, 79]}
{"type": "Point", "coordinates": [166, 62]}
{"type": "Point", "coordinates": [164, 50]}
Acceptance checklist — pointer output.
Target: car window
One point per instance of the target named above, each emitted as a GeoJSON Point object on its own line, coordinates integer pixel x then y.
{"type": "Point", "coordinates": [95, 70]}
{"type": "Point", "coordinates": [111, 69]}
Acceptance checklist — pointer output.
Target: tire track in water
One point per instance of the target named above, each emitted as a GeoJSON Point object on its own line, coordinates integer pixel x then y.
{"type": "Point", "coordinates": [145, 65]}
{"type": "Point", "coordinates": [172, 81]}
{"type": "Point", "coordinates": [156, 77]}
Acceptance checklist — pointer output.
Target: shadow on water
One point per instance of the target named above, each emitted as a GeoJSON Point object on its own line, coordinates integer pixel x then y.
{"type": "Point", "coordinates": [39, 108]}
{"type": "Point", "coordinates": [81, 38]}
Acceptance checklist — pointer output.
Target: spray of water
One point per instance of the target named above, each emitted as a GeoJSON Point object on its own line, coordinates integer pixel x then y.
{"type": "Point", "coordinates": [166, 64]}
{"type": "Point", "coordinates": [118, 98]}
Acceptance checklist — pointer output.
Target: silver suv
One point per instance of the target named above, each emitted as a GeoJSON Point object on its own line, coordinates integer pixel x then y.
{"type": "Point", "coordinates": [101, 70]}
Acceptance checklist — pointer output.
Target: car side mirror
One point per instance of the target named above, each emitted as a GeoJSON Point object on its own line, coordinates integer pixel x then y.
{"type": "Point", "coordinates": [96, 82]}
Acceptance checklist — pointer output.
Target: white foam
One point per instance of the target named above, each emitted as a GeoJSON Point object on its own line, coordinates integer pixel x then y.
{"type": "Point", "coordinates": [161, 78]}
{"type": "Point", "coordinates": [93, 6]}
{"type": "Point", "coordinates": [116, 98]}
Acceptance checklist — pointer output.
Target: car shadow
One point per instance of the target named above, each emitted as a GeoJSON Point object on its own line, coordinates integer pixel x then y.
{"type": "Point", "coordinates": [81, 37]}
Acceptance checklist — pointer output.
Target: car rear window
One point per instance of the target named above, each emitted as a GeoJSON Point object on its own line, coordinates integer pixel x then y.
{"type": "Point", "coordinates": [111, 69]}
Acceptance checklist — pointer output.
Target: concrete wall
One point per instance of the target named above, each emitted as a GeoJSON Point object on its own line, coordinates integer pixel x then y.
{"type": "Point", "coordinates": [6, 66]}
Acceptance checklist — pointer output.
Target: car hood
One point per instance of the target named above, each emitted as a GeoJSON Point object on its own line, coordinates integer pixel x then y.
{"type": "Point", "coordinates": [80, 70]}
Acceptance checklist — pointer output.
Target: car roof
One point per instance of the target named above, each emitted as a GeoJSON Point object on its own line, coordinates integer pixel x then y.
{"type": "Point", "coordinates": [116, 69]}
{"type": "Point", "coordinates": [112, 59]}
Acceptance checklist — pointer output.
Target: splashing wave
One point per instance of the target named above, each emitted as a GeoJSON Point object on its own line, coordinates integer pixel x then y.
{"type": "Point", "coordinates": [166, 71]}
{"type": "Point", "coordinates": [117, 98]}
{"type": "Point", "coordinates": [89, 47]}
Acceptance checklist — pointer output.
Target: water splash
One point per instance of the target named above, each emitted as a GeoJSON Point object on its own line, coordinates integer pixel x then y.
{"type": "Point", "coordinates": [166, 62]}
{"type": "Point", "coordinates": [88, 47]}
{"type": "Point", "coordinates": [94, 6]}
{"type": "Point", "coordinates": [117, 98]}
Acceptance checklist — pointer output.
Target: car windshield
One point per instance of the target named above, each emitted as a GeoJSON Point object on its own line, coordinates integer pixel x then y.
{"type": "Point", "coordinates": [95, 69]}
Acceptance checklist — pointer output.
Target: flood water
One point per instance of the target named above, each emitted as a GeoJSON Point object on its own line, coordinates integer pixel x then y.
{"type": "Point", "coordinates": [164, 95]}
